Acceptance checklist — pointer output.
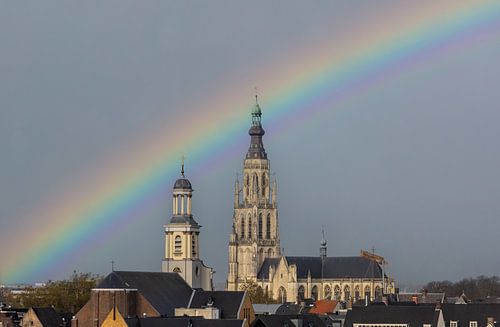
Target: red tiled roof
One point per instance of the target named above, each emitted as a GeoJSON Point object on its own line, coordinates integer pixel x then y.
{"type": "Point", "coordinates": [323, 307]}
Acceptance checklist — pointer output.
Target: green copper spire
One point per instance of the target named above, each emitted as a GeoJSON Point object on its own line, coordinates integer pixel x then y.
{"type": "Point", "coordinates": [256, 112]}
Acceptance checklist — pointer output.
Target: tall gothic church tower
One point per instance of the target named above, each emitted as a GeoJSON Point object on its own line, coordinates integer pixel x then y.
{"type": "Point", "coordinates": [254, 235]}
{"type": "Point", "coordinates": [182, 247]}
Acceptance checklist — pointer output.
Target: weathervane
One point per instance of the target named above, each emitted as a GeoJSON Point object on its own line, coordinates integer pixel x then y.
{"type": "Point", "coordinates": [182, 165]}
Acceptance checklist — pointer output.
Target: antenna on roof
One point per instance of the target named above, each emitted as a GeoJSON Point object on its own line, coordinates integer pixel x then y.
{"type": "Point", "coordinates": [112, 265]}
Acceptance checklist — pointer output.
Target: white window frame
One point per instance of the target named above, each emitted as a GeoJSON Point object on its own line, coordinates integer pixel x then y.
{"type": "Point", "coordinates": [453, 323]}
{"type": "Point", "coordinates": [472, 323]}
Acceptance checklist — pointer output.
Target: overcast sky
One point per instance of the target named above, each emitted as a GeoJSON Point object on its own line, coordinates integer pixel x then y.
{"type": "Point", "coordinates": [410, 166]}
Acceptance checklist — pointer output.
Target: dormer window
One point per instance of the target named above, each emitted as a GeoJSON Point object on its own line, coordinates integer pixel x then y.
{"type": "Point", "coordinates": [473, 324]}
{"type": "Point", "coordinates": [453, 323]}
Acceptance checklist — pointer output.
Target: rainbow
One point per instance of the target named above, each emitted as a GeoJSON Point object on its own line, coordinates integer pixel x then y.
{"type": "Point", "coordinates": [129, 182]}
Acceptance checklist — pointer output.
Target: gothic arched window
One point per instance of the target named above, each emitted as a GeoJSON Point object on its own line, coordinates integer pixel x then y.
{"type": "Point", "coordinates": [301, 293]}
{"type": "Point", "coordinates": [336, 293]}
{"type": "Point", "coordinates": [328, 292]}
{"type": "Point", "coordinates": [367, 293]}
{"type": "Point", "coordinates": [314, 293]}
{"type": "Point", "coordinates": [282, 294]}
{"type": "Point", "coordinates": [264, 181]}
{"type": "Point", "coordinates": [242, 227]}
{"type": "Point", "coordinates": [249, 226]}
{"type": "Point", "coordinates": [178, 244]}
{"type": "Point", "coordinates": [177, 270]}
{"type": "Point", "coordinates": [378, 293]}
{"type": "Point", "coordinates": [356, 292]}
{"type": "Point", "coordinates": [347, 293]}
{"type": "Point", "coordinates": [268, 227]}
{"type": "Point", "coordinates": [260, 226]}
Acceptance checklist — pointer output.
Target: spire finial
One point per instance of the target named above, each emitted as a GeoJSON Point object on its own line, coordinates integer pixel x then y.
{"type": "Point", "coordinates": [323, 238]}
{"type": "Point", "coordinates": [182, 165]}
{"type": "Point", "coordinates": [256, 95]}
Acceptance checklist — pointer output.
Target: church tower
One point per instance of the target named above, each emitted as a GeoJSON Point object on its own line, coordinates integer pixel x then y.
{"type": "Point", "coordinates": [182, 247]}
{"type": "Point", "coordinates": [254, 235]}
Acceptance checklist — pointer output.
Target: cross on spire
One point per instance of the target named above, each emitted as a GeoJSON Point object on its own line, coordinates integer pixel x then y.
{"type": "Point", "coordinates": [182, 165]}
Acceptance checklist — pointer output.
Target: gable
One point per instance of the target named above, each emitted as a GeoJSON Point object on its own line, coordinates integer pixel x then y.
{"type": "Point", "coordinates": [164, 291]}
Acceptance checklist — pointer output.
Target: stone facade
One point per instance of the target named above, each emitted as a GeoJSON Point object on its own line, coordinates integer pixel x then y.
{"type": "Point", "coordinates": [293, 278]}
{"type": "Point", "coordinates": [254, 244]}
{"type": "Point", "coordinates": [255, 233]}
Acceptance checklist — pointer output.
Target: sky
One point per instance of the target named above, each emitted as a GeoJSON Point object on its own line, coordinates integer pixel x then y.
{"type": "Point", "coordinates": [406, 162]}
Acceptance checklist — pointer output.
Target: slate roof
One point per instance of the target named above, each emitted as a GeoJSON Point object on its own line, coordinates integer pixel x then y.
{"type": "Point", "coordinates": [331, 267]}
{"type": "Point", "coordinates": [48, 317]}
{"type": "Point", "coordinates": [182, 322]}
{"type": "Point", "coordinates": [288, 321]}
{"type": "Point", "coordinates": [227, 302]}
{"type": "Point", "coordinates": [464, 313]}
{"type": "Point", "coordinates": [265, 308]}
{"type": "Point", "coordinates": [183, 219]}
{"type": "Point", "coordinates": [165, 291]}
{"type": "Point", "coordinates": [183, 184]}
{"type": "Point", "coordinates": [287, 309]}
{"type": "Point", "coordinates": [414, 316]}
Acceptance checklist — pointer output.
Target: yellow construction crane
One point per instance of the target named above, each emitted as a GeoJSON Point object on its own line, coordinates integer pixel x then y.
{"type": "Point", "coordinates": [378, 259]}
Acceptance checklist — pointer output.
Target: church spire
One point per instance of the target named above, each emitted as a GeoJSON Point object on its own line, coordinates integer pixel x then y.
{"type": "Point", "coordinates": [256, 149]}
{"type": "Point", "coordinates": [322, 248]}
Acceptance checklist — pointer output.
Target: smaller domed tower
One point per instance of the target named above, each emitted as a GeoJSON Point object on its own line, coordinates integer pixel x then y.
{"type": "Point", "coordinates": [182, 249]}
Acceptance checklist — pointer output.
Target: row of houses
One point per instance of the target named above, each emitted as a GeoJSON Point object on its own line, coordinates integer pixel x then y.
{"type": "Point", "coordinates": [156, 299]}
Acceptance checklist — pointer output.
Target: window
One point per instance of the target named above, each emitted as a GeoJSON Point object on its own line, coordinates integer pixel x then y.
{"type": "Point", "coordinates": [367, 293]}
{"type": "Point", "coordinates": [282, 295]}
{"type": "Point", "coordinates": [178, 244]}
{"type": "Point", "coordinates": [453, 323]}
{"type": "Point", "coordinates": [328, 292]}
{"type": "Point", "coordinates": [301, 293]}
{"type": "Point", "coordinates": [249, 227]}
{"type": "Point", "coordinates": [314, 293]}
{"type": "Point", "coordinates": [193, 244]}
{"type": "Point", "coordinates": [268, 227]}
{"type": "Point", "coordinates": [347, 293]}
{"type": "Point", "coordinates": [473, 324]}
{"type": "Point", "coordinates": [177, 270]}
{"type": "Point", "coordinates": [260, 226]}
{"type": "Point", "coordinates": [247, 185]}
{"type": "Point", "coordinates": [336, 293]}
{"type": "Point", "coordinates": [242, 227]}
{"type": "Point", "coordinates": [378, 293]}
{"type": "Point", "coordinates": [264, 185]}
